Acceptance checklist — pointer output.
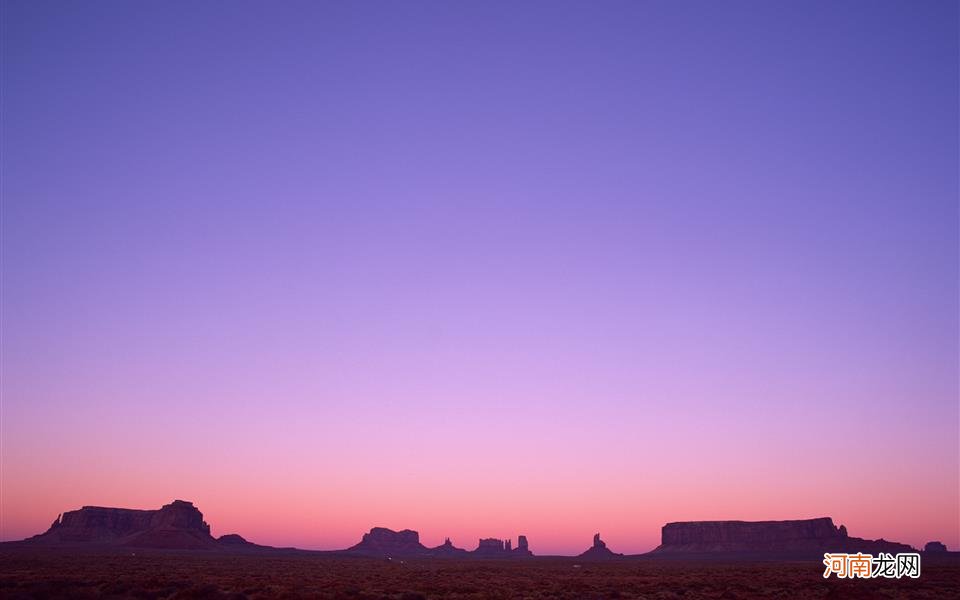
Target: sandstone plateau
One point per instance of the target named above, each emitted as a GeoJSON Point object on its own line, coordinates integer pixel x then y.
{"type": "Point", "coordinates": [387, 542]}
{"type": "Point", "coordinates": [809, 536]}
{"type": "Point", "coordinates": [178, 525]}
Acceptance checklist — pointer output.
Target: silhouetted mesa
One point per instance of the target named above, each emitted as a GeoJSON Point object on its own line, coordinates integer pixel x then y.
{"type": "Point", "coordinates": [178, 525]}
{"type": "Point", "coordinates": [809, 536]}
{"type": "Point", "coordinates": [599, 550]}
{"type": "Point", "coordinates": [490, 546]}
{"type": "Point", "coordinates": [935, 547]}
{"type": "Point", "coordinates": [388, 543]}
{"type": "Point", "coordinates": [497, 548]}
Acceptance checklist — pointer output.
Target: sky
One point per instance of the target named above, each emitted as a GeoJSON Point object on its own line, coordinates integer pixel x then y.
{"type": "Point", "coordinates": [482, 269]}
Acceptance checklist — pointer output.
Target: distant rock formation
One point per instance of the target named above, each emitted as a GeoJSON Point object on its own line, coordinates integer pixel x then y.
{"type": "Point", "coordinates": [447, 549]}
{"type": "Point", "coordinates": [389, 543]}
{"type": "Point", "coordinates": [599, 550]}
{"type": "Point", "coordinates": [490, 546]}
{"type": "Point", "coordinates": [935, 547]}
{"type": "Point", "coordinates": [178, 525]}
{"type": "Point", "coordinates": [809, 536]}
{"type": "Point", "coordinates": [233, 539]}
{"type": "Point", "coordinates": [497, 548]}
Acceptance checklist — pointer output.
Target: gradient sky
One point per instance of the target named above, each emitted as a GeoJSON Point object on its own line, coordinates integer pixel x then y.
{"type": "Point", "coordinates": [482, 269]}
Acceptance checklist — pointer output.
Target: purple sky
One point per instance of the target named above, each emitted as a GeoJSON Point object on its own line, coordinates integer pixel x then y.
{"type": "Point", "coordinates": [482, 268]}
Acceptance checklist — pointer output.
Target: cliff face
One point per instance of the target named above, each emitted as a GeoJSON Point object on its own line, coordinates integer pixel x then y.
{"type": "Point", "coordinates": [176, 525]}
{"type": "Point", "coordinates": [802, 536]}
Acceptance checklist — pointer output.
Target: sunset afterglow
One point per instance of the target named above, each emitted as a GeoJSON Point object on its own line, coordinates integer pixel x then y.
{"type": "Point", "coordinates": [482, 269]}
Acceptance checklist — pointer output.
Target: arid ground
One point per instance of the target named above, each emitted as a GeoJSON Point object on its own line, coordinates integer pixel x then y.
{"type": "Point", "coordinates": [62, 574]}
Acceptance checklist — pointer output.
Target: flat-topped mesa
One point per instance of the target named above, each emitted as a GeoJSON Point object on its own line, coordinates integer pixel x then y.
{"type": "Point", "coordinates": [176, 525]}
{"type": "Point", "coordinates": [96, 524]}
{"type": "Point", "coordinates": [388, 543]}
{"type": "Point", "coordinates": [490, 546]}
{"type": "Point", "coordinates": [497, 548]}
{"type": "Point", "coordinates": [722, 532]}
{"type": "Point", "coordinates": [599, 550]}
{"type": "Point", "coordinates": [799, 536]}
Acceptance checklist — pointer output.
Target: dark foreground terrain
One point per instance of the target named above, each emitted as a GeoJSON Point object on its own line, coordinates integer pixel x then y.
{"type": "Point", "coordinates": [39, 573]}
